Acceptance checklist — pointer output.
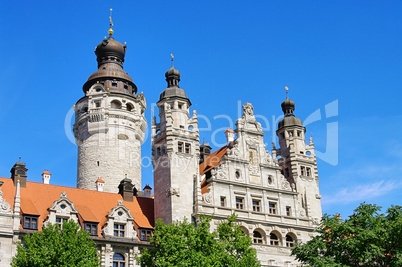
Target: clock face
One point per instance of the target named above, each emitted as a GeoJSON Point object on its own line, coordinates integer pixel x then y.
{"type": "Point", "coordinates": [253, 157]}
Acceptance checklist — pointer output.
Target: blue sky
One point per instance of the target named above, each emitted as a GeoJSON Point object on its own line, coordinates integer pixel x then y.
{"type": "Point", "coordinates": [228, 52]}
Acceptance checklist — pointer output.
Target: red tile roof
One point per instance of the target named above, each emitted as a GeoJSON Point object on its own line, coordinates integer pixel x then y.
{"type": "Point", "coordinates": [211, 162]}
{"type": "Point", "coordinates": [99, 181]}
{"type": "Point", "coordinates": [92, 206]}
{"type": "Point", "coordinates": [46, 172]}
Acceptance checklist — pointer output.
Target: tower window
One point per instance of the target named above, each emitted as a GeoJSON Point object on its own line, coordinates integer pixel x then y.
{"type": "Point", "coordinates": [115, 104]}
{"type": "Point", "coordinates": [239, 203]}
{"type": "Point", "coordinates": [286, 172]}
{"type": "Point", "coordinates": [308, 171]}
{"type": "Point", "coordinates": [289, 241]}
{"type": "Point", "coordinates": [114, 84]}
{"type": "Point", "coordinates": [272, 207]}
{"type": "Point", "coordinates": [158, 151]}
{"type": "Point", "coordinates": [274, 241]}
{"type": "Point", "coordinates": [302, 170]}
{"type": "Point", "coordinates": [257, 237]}
{"type": "Point", "coordinates": [290, 133]}
{"type": "Point", "coordinates": [97, 163]}
{"type": "Point", "coordinates": [256, 205]}
{"type": "Point", "coordinates": [237, 175]}
{"type": "Point", "coordinates": [187, 148]}
{"type": "Point", "coordinates": [298, 133]}
{"type": "Point", "coordinates": [270, 179]}
{"type": "Point", "coordinates": [223, 201]}
{"type": "Point", "coordinates": [97, 104]}
{"type": "Point", "coordinates": [180, 106]}
{"type": "Point", "coordinates": [180, 147]}
{"type": "Point", "coordinates": [288, 211]}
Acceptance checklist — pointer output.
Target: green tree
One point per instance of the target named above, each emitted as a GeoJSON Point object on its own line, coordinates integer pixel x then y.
{"type": "Point", "coordinates": [366, 238]}
{"type": "Point", "coordinates": [183, 244]}
{"type": "Point", "coordinates": [69, 246]}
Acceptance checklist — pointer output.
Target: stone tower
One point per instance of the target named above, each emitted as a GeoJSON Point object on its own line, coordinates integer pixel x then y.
{"type": "Point", "coordinates": [109, 122]}
{"type": "Point", "coordinates": [175, 151]}
{"type": "Point", "coordinates": [298, 161]}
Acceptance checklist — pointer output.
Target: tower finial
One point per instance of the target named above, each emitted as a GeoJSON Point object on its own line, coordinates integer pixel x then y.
{"type": "Point", "coordinates": [110, 31]}
{"type": "Point", "coordinates": [287, 89]}
{"type": "Point", "coordinates": [172, 56]}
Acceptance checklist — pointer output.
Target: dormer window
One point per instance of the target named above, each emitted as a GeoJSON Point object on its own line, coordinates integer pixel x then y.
{"type": "Point", "coordinates": [145, 234]}
{"type": "Point", "coordinates": [91, 228]}
{"type": "Point", "coordinates": [30, 222]}
{"type": "Point", "coordinates": [119, 229]}
{"type": "Point", "coordinates": [60, 221]}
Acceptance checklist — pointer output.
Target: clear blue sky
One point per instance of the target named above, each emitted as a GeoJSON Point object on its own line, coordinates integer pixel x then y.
{"type": "Point", "coordinates": [226, 51]}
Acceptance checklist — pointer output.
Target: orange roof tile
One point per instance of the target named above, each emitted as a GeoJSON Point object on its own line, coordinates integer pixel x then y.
{"type": "Point", "coordinates": [46, 172]}
{"type": "Point", "coordinates": [229, 130]}
{"type": "Point", "coordinates": [99, 181]}
{"type": "Point", "coordinates": [92, 206]}
{"type": "Point", "coordinates": [213, 160]}
{"type": "Point", "coordinates": [147, 187]}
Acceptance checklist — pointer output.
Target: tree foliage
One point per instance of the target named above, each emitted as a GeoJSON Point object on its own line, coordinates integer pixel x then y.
{"type": "Point", "coordinates": [183, 244]}
{"type": "Point", "coordinates": [69, 246]}
{"type": "Point", "coordinates": [367, 238]}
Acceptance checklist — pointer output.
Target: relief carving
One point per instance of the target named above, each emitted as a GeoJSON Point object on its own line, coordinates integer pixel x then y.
{"type": "Point", "coordinates": [171, 191]}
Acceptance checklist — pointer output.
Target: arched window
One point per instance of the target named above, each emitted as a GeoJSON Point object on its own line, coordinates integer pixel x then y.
{"type": "Point", "coordinates": [274, 241]}
{"type": "Point", "coordinates": [129, 107]}
{"type": "Point", "coordinates": [257, 237]}
{"type": "Point", "coordinates": [115, 104]}
{"type": "Point", "coordinates": [118, 260]}
{"type": "Point", "coordinates": [289, 241]}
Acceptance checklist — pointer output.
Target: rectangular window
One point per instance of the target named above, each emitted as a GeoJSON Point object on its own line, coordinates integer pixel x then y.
{"type": "Point", "coordinates": [145, 234]}
{"type": "Point", "coordinates": [272, 207]}
{"type": "Point", "coordinates": [286, 172]}
{"type": "Point", "coordinates": [158, 151]}
{"type": "Point", "coordinates": [91, 228]}
{"type": "Point", "coordinates": [288, 211]}
{"type": "Point", "coordinates": [97, 104]}
{"type": "Point", "coordinates": [180, 147]}
{"type": "Point", "coordinates": [239, 203]}
{"type": "Point", "coordinates": [256, 205]}
{"type": "Point", "coordinates": [30, 222]}
{"type": "Point", "coordinates": [114, 84]}
{"type": "Point", "coordinates": [223, 201]}
{"type": "Point", "coordinates": [187, 148]}
{"type": "Point", "coordinates": [118, 230]}
{"type": "Point", "coordinates": [302, 170]}
{"type": "Point", "coordinates": [308, 171]}
{"type": "Point", "coordinates": [60, 221]}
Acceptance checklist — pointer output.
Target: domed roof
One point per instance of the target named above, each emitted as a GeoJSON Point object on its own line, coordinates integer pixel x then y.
{"type": "Point", "coordinates": [171, 92]}
{"type": "Point", "coordinates": [172, 72]}
{"type": "Point", "coordinates": [290, 121]}
{"type": "Point", "coordinates": [288, 106]}
{"type": "Point", "coordinates": [110, 50]}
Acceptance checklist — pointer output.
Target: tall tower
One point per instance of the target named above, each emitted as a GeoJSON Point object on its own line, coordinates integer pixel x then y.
{"type": "Point", "coordinates": [298, 161]}
{"type": "Point", "coordinates": [109, 122]}
{"type": "Point", "coordinates": [175, 151]}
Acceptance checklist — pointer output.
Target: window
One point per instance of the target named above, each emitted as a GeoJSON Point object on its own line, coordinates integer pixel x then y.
{"type": "Point", "coordinates": [118, 230]}
{"type": "Point", "coordinates": [129, 107]}
{"type": "Point", "coordinates": [114, 84]}
{"type": "Point", "coordinates": [308, 171]}
{"type": "Point", "coordinates": [288, 211]}
{"type": "Point", "coordinates": [115, 104]}
{"type": "Point", "coordinates": [118, 260]}
{"type": "Point", "coordinates": [223, 201]}
{"type": "Point", "coordinates": [286, 172]}
{"type": "Point", "coordinates": [158, 151]}
{"type": "Point", "coordinates": [30, 222]}
{"type": "Point", "coordinates": [145, 234]}
{"type": "Point", "coordinates": [274, 241]}
{"type": "Point", "coordinates": [239, 203]}
{"type": "Point", "coordinates": [298, 133]}
{"type": "Point", "coordinates": [272, 207]}
{"type": "Point", "coordinates": [60, 221]}
{"type": "Point", "coordinates": [187, 148]}
{"type": "Point", "coordinates": [270, 179]}
{"type": "Point", "coordinates": [302, 170]}
{"type": "Point", "coordinates": [290, 133]}
{"type": "Point", "coordinates": [97, 104]}
{"type": "Point", "coordinates": [237, 174]}
{"type": "Point", "coordinates": [289, 241]}
{"type": "Point", "coordinates": [179, 106]}
{"type": "Point", "coordinates": [180, 147]}
{"type": "Point", "coordinates": [256, 205]}
{"type": "Point", "coordinates": [91, 228]}
{"type": "Point", "coordinates": [257, 237]}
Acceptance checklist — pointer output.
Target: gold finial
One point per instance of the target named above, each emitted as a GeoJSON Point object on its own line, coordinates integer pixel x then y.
{"type": "Point", "coordinates": [287, 89]}
{"type": "Point", "coordinates": [110, 31]}
{"type": "Point", "coordinates": [171, 55]}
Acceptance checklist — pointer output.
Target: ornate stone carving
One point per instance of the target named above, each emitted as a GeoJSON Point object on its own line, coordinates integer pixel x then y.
{"type": "Point", "coordinates": [317, 196]}
{"type": "Point", "coordinates": [171, 191]}
{"type": "Point", "coordinates": [302, 212]}
{"type": "Point", "coordinates": [315, 221]}
{"type": "Point", "coordinates": [5, 206]}
{"type": "Point", "coordinates": [207, 197]}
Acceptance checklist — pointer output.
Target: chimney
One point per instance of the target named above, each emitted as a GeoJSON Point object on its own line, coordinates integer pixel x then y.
{"type": "Point", "coordinates": [46, 177]}
{"type": "Point", "coordinates": [126, 189]}
{"type": "Point", "coordinates": [147, 191]}
{"type": "Point", "coordinates": [99, 185]}
{"type": "Point", "coordinates": [19, 172]}
{"type": "Point", "coordinates": [230, 134]}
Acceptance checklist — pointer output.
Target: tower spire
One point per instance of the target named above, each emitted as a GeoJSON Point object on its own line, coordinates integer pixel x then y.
{"type": "Point", "coordinates": [287, 89]}
{"type": "Point", "coordinates": [110, 31]}
{"type": "Point", "coordinates": [172, 56]}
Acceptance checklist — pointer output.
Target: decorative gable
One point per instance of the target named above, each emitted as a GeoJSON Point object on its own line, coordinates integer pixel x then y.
{"type": "Point", "coordinates": [120, 222]}
{"type": "Point", "coordinates": [62, 209]}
